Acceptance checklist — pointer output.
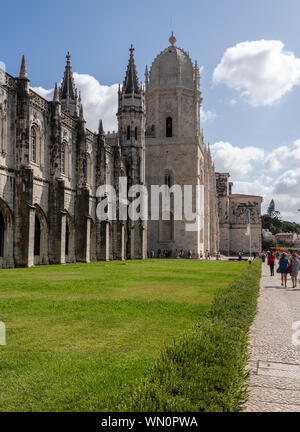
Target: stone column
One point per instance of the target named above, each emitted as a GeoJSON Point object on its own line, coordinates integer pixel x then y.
{"type": "Point", "coordinates": [88, 240]}
{"type": "Point", "coordinates": [122, 242]}
{"type": "Point", "coordinates": [62, 257]}
{"type": "Point", "coordinates": [31, 227]}
{"type": "Point", "coordinates": [132, 248]}
{"type": "Point", "coordinates": [144, 241]}
{"type": "Point", "coordinates": [107, 241]}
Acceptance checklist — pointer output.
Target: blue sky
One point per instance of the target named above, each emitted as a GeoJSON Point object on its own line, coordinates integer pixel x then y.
{"type": "Point", "coordinates": [98, 34]}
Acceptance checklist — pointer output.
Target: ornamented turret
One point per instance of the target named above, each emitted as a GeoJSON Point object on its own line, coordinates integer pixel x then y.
{"type": "Point", "coordinates": [55, 95]}
{"type": "Point", "coordinates": [100, 128]}
{"type": "Point", "coordinates": [68, 93]}
{"type": "Point", "coordinates": [23, 71]}
{"type": "Point", "coordinates": [131, 82]}
{"type": "Point", "coordinates": [131, 123]}
{"type": "Point", "coordinates": [146, 77]}
{"type": "Point", "coordinates": [197, 75]}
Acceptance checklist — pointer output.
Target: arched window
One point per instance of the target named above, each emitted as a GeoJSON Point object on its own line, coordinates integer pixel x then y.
{"type": "Point", "coordinates": [88, 169]}
{"type": "Point", "coordinates": [63, 158]}
{"type": "Point", "coordinates": [169, 127]}
{"type": "Point", "coordinates": [67, 239]}
{"type": "Point", "coordinates": [2, 230]}
{"type": "Point", "coordinates": [128, 133]}
{"type": "Point", "coordinates": [136, 133]}
{"type": "Point", "coordinates": [33, 144]}
{"type": "Point", "coordinates": [168, 180]}
{"type": "Point", "coordinates": [37, 236]}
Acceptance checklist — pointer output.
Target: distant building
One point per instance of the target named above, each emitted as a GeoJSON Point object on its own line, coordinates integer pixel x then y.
{"type": "Point", "coordinates": [288, 237]}
{"type": "Point", "coordinates": [232, 218]}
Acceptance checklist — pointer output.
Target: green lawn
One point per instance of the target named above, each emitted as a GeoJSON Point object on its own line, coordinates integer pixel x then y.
{"type": "Point", "coordinates": [79, 335]}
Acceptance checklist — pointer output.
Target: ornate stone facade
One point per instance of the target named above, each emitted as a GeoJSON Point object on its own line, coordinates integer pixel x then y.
{"type": "Point", "coordinates": [51, 166]}
{"type": "Point", "coordinates": [176, 154]}
{"type": "Point", "coordinates": [232, 218]}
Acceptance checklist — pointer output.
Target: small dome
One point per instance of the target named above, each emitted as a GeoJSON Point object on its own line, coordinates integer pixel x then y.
{"type": "Point", "coordinates": [171, 68]}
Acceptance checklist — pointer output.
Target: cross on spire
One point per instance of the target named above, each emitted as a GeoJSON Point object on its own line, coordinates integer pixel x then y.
{"type": "Point", "coordinates": [68, 56]}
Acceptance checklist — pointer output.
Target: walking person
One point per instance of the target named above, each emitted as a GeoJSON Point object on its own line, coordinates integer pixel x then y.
{"type": "Point", "coordinates": [283, 264]}
{"type": "Point", "coordinates": [295, 264]}
{"type": "Point", "coordinates": [271, 262]}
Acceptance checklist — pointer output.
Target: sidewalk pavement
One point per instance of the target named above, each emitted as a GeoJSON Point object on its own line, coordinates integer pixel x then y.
{"type": "Point", "coordinates": [275, 348]}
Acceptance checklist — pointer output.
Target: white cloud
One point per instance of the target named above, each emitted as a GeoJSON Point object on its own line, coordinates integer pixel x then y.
{"type": "Point", "coordinates": [261, 71]}
{"type": "Point", "coordinates": [2, 72]}
{"type": "Point", "coordinates": [46, 94]}
{"type": "Point", "coordinates": [283, 157]}
{"type": "Point", "coordinates": [238, 161]}
{"type": "Point", "coordinates": [99, 101]}
{"type": "Point", "coordinates": [289, 183]}
{"type": "Point", "coordinates": [207, 116]}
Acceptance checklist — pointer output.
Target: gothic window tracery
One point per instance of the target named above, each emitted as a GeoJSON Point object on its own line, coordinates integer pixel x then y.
{"type": "Point", "coordinates": [63, 159]}
{"type": "Point", "coordinates": [34, 144]}
{"type": "Point", "coordinates": [88, 169]}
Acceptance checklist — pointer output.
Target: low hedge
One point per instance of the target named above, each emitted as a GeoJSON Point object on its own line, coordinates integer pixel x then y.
{"type": "Point", "coordinates": [204, 370]}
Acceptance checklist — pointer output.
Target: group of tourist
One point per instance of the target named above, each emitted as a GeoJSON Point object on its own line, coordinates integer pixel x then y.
{"type": "Point", "coordinates": [287, 264]}
{"type": "Point", "coordinates": [181, 254]}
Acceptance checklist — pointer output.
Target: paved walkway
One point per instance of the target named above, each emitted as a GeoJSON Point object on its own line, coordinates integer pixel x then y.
{"type": "Point", "coordinates": [274, 358]}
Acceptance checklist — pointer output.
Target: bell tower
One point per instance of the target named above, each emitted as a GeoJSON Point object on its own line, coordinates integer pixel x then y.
{"type": "Point", "coordinates": [131, 126]}
{"type": "Point", "coordinates": [174, 149]}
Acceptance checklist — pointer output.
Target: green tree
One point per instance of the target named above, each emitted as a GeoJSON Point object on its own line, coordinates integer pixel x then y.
{"type": "Point", "coordinates": [273, 229]}
{"type": "Point", "coordinates": [268, 244]}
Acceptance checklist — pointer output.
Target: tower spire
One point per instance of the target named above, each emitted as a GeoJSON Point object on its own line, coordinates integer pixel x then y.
{"type": "Point", "coordinates": [55, 95]}
{"type": "Point", "coordinates": [131, 82]}
{"type": "Point", "coordinates": [67, 92]}
{"type": "Point", "coordinates": [100, 129]}
{"type": "Point", "coordinates": [23, 71]}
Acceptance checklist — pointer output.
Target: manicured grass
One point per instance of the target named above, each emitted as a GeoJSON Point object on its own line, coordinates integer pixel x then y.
{"type": "Point", "coordinates": [204, 369]}
{"type": "Point", "coordinates": [79, 335]}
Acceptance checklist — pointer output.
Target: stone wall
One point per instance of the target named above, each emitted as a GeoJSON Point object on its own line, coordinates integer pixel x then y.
{"type": "Point", "coordinates": [232, 216]}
